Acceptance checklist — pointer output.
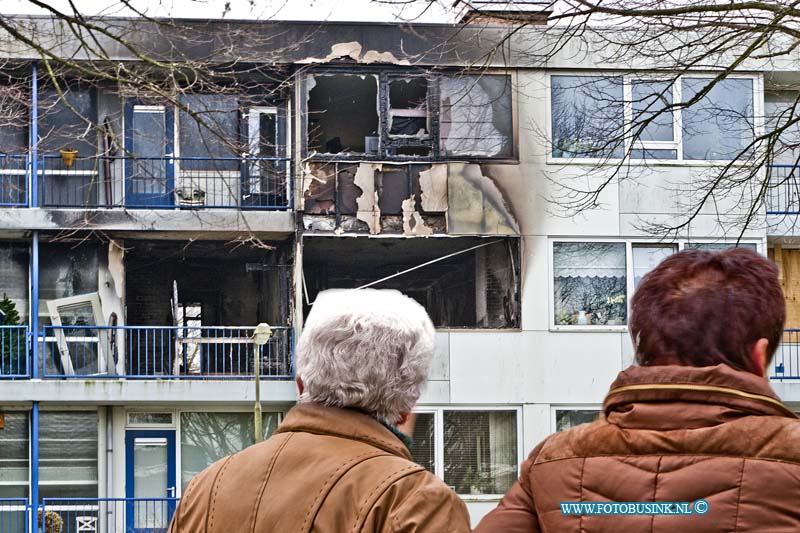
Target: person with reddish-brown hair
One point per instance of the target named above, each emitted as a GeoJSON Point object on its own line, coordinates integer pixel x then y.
{"type": "Point", "coordinates": [692, 437]}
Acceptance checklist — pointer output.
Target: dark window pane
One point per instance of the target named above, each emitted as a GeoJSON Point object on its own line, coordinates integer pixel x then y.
{"type": "Point", "coordinates": [342, 113]}
{"type": "Point", "coordinates": [212, 132]}
{"type": "Point", "coordinates": [480, 451]}
{"type": "Point", "coordinates": [424, 442]}
{"type": "Point", "coordinates": [587, 116]}
{"type": "Point", "coordinates": [68, 122]}
{"type": "Point", "coordinates": [720, 126]}
{"type": "Point", "coordinates": [570, 418]}
{"type": "Point", "coordinates": [67, 270]}
{"type": "Point", "coordinates": [650, 153]}
{"type": "Point", "coordinates": [647, 99]}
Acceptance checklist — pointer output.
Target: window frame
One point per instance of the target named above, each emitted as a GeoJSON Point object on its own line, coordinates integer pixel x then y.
{"type": "Point", "coordinates": [438, 432]}
{"type": "Point", "coordinates": [627, 78]}
{"type": "Point", "coordinates": [384, 77]}
{"type": "Point", "coordinates": [759, 243]}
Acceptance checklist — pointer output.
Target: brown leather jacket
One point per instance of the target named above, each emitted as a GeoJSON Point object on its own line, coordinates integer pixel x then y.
{"type": "Point", "coordinates": [670, 434]}
{"type": "Point", "coordinates": [324, 470]}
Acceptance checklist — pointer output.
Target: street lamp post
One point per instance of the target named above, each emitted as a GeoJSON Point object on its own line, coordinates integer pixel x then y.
{"type": "Point", "coordinates": [261, 336]}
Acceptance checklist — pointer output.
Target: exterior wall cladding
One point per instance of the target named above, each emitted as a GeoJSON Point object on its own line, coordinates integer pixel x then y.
{"type": "Point", "coordinates": [366, 167]}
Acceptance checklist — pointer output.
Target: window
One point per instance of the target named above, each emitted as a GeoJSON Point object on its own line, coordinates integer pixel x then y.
{"type": "Point", "coordinates": [424, 437]}
{"type": "Point", "coordinates": [14, 102]}
{"type": "Point", "coordinates": [475, 451]}
{"type": "Point", "coordinates": [650, 103]}
{"type": "Point", "coordinates": [590, 283]}
{"type": "Point", "coordinates": [67, 121]}
{"type": "Point", "coordinates": [720, 246]}
{"type": "Point", "coordinates": [208, 437]}
{"type": "Point", "coordinates": [68, 454]}
{"type": "Point", "coordinates": [209, 137]}
{"type": "Point", "coordinates": [480, 451]}
{"type": "Point", "coordinates": [476, 116]}
{"type": "Point", "coordinates": [720, 125]}
{"type": "Point", "coordinates": [647, 256]}
{"type": "Point", "coordinates": [149, 419]}
{"type": "Point", "coordinates": [588, 115]}
{"type": "Point", "coordinates": [13, 454]}
{"type": "Point", "coordinates": [392, 114]}
{"type": "Point", "coordinates": [568, 418]}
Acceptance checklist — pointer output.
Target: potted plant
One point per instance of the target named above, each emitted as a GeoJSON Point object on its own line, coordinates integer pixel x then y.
{"type": "Point", "coordinates": [68, 155]}
{"type": "Point", "coordinates": [53, 523]}
{"type": "Point", "coordinates": [10, 346]}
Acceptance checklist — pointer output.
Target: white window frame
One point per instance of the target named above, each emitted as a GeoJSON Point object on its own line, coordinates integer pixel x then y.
{"type": "Point", "coordinates": [438, 432]}
{"type": "Point", "coordinates": [627, 77]}
{"type": "Point", "coordinates": [629, 281]}
{"type": "Point", "coordinates": [62, 341]}
{"type": "Point", "coordinates": [577, 407]}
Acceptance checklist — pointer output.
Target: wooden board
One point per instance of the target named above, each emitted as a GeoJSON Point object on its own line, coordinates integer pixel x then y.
{"type": "Point", "coordinates": [788, 261]}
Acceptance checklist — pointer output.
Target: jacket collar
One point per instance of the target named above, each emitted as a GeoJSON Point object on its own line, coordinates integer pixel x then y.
{"type": "Point", "coordinates": [700, 396]}
{"type": "Point", "coordinates": [345, 423]}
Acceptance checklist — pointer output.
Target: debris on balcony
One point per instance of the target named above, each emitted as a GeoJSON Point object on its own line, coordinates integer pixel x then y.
{"type": "Point", "coordinates": [469, 282]}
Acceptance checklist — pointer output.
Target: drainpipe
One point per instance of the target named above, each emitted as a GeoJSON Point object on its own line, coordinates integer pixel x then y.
{"type": "Point", "coordinates": [35, 463]}
{"type": "Point", "coordinates": [109, 452]}
{"type": "Point", "coordinates": [34, 304]}
{"type": "Point", "coordinates": [34, 138]}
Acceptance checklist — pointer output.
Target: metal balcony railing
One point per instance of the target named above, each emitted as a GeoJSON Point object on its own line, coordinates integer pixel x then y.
{"type": "Point", "coordinates": [13, 180]}
{"type": "Point", "coordinates": [786, 363]}
{"type": "Point", "coordinates": [783, 195]}
{"type": "Point", "coordinates": [14, 352]}
{"type": "Point", "coordinates": [111, 515]}
{"type": "Point", "coordinates": [164, 352]}
{"type": "Point", "coordinates": [262, 183]}
{"type": "Point", "coordinates": [14, 515]}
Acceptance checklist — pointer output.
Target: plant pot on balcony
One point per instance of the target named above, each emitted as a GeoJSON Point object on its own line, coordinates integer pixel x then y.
{"type": "Point", "coordinates": [68, 156]}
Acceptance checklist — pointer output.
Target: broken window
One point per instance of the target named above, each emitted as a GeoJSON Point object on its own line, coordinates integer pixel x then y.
{"type": "Point", "coordinates": [476, 116]}
{"type": "Point", "coordinates": [342, 113]}
{"type": "Point", "coordinates": [386, 114]}
{"type": "Point", "coordinates": [472, 283]}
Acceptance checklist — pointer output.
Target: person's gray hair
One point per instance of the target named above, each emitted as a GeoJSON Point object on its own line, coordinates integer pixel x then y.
{"type": "Point", "coordinates": [365, 349]}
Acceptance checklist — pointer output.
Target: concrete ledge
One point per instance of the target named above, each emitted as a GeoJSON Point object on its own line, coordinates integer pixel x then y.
{"type": "Point", "coordinates": [144, 392]}
{"type": "Point", "coordinates": [211, 221]}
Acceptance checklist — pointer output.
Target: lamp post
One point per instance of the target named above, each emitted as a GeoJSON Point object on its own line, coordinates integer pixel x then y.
{"type": "Point", "coordinates": [261, 336]}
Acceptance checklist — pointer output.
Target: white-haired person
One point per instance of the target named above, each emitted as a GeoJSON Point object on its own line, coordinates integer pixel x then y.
{"type": "Point", "coordinates": [338, 461]}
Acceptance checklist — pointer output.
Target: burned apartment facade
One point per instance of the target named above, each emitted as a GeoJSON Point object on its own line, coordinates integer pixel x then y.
{"type": "Point", "coordinates": [143, 238]}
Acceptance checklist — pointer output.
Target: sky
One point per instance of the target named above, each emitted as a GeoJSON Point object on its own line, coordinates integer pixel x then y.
{"type": "Point", "coordinates": [334, 10]}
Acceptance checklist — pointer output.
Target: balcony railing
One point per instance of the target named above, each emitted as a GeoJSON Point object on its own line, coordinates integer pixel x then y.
{"type": "Point", "coordinates": [787, 357]}
{"type": "Point", "coordinates": [14, 515]}
{"type": "Point", "coordinates": [13, 180]}
{"type": "Point", "coordinates": [14, 352]}
{"type": "Point", "coordinates": [783, 195]}
{"type": "Point", "coordinates": [112, 515]}
{"type": "Point", "coordinates": [262, 183]}
{"type": "Point", "coordinates": [164, 352]}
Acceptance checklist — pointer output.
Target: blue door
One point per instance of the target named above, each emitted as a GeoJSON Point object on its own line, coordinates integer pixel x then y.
{"type": "Point", "coordinates": [149, 151]}
{"type": "Point", "coordinates": [150, 480]}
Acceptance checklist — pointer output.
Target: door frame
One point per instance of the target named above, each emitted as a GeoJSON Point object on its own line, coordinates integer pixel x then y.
{"type": "Point", "coordinates": [150, 200]}
{"type": "Point", "coordinates": [130, 439]}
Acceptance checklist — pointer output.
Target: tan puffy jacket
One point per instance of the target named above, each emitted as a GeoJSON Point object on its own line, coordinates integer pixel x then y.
{"type": "Point", "coordinates": [669, 434]}
{"type": "Point", "coordinates": [324, 470]}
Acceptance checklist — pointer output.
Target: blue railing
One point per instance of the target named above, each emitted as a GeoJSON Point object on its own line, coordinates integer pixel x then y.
{"type": "Point", "coordinates": [13, 180]}
{"type": "Point", "coordinates": [783, 195]}
{"type": "Point", "coordinates": [110, 515]}
{"type": "Point", "coordinates": [786, 361]}
{"type": "Point", "coordinates": [14, 515]}
{"type": "Point", "coordinates": [164, 352]}
{"type": "Point", "coordinates": [14, 352]}
{"type": "Point", "coordinates": [166, 182]}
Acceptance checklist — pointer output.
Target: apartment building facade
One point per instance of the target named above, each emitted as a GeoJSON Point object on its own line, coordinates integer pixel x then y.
{"type": "Point", "coordinates": [143, 238]}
